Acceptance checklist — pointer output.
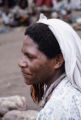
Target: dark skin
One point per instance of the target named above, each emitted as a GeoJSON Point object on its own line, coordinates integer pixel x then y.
{"type": "Point", "coordinates": [35, 65]}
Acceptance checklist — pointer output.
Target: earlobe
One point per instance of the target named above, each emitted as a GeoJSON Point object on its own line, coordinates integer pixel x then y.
{"type": "Point", "coordinates": [59, 61]}
{"type": "Point", "coordinates": [58, 65]}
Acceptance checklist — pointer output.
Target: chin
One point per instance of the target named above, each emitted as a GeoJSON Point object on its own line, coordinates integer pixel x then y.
{"type": "Point", "coordinates": [28, 82]}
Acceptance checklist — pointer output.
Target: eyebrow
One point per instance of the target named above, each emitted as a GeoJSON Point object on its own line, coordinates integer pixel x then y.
{"type": "Point", "coordinates": [28, 54]}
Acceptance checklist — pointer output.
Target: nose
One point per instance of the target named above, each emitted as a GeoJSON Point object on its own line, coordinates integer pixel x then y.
{"type": "Point", "coordinates": [22, 63]}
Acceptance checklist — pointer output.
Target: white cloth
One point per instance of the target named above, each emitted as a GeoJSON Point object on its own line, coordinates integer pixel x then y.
{"type": "Point", "coordinates": [70, 45]}
{"type": "Point", "coordinates": [49, 91]}
{"type": "Point", "coordinates": [64, 104]}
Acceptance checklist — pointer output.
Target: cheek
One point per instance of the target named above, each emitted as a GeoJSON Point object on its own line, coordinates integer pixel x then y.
{"type": "Point", "coordinates": [40, 70]}
{"type": "Point", "coordinates": [36, 66]}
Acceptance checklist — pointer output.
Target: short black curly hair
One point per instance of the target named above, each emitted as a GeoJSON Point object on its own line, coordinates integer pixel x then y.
{"type": "Point", "coordinates": [42, 35]}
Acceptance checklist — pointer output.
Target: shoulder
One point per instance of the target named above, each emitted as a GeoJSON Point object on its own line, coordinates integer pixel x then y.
{"type": "Point", "coordinates": [63, 104]}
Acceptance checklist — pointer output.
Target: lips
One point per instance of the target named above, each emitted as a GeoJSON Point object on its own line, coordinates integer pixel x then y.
{"type": "Point", "coordinates": [25, 72]}
{"type": "Point", "coordinates": [27, 75]}
{"type": "Point", "coordinates": [27, 78]}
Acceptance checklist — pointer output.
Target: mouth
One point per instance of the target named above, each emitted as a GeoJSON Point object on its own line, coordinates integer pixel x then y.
{"type": "Point", "coordinates": [27, 75]}
{"type": "Point", "coordinates": [27, 78]}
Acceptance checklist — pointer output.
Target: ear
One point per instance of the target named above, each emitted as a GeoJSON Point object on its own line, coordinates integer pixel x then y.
{"type": "Point", "coordinates": [58, 61]}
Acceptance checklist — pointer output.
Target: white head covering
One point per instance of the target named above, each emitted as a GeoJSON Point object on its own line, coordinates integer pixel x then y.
{"type": "Point", "coordinates": [70, 45]}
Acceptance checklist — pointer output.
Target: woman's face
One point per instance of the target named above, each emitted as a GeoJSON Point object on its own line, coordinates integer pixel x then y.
{"type": "Point", "coordinates": [35, 66]}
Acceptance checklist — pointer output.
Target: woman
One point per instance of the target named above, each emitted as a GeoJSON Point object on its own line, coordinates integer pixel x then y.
{"type": "Point", "coordinates": [51, 65]}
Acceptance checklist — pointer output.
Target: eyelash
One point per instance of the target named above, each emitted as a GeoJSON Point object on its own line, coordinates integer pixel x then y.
{"type": "Point", "coordinates": [30, 57]}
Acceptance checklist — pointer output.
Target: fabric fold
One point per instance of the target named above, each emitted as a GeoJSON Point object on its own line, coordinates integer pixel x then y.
{"type": "Point", "coordinates": [70, 45]}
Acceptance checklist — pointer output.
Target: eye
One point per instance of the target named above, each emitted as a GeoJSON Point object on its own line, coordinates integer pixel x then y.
{"type": "Point", "coordinates": [31, 57]}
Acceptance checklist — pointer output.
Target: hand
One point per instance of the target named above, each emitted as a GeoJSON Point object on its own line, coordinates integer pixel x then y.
{"type": "Point", "coordinates": [12, 103]}
{"type": "Point", "coordinates": [21, 115]}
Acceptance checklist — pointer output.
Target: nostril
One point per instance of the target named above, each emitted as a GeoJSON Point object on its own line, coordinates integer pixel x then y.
{"type": "Point", "coordinates": [22, 63]}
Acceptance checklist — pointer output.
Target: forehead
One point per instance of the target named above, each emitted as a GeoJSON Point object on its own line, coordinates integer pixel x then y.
{"type": "Point", "coordinates": [28, 41]}
{"type": "Point", "coordinates": [29, 45]}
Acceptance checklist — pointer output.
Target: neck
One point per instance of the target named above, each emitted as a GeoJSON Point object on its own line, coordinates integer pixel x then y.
{"type": "Point", "coordinates": [54, 77]}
